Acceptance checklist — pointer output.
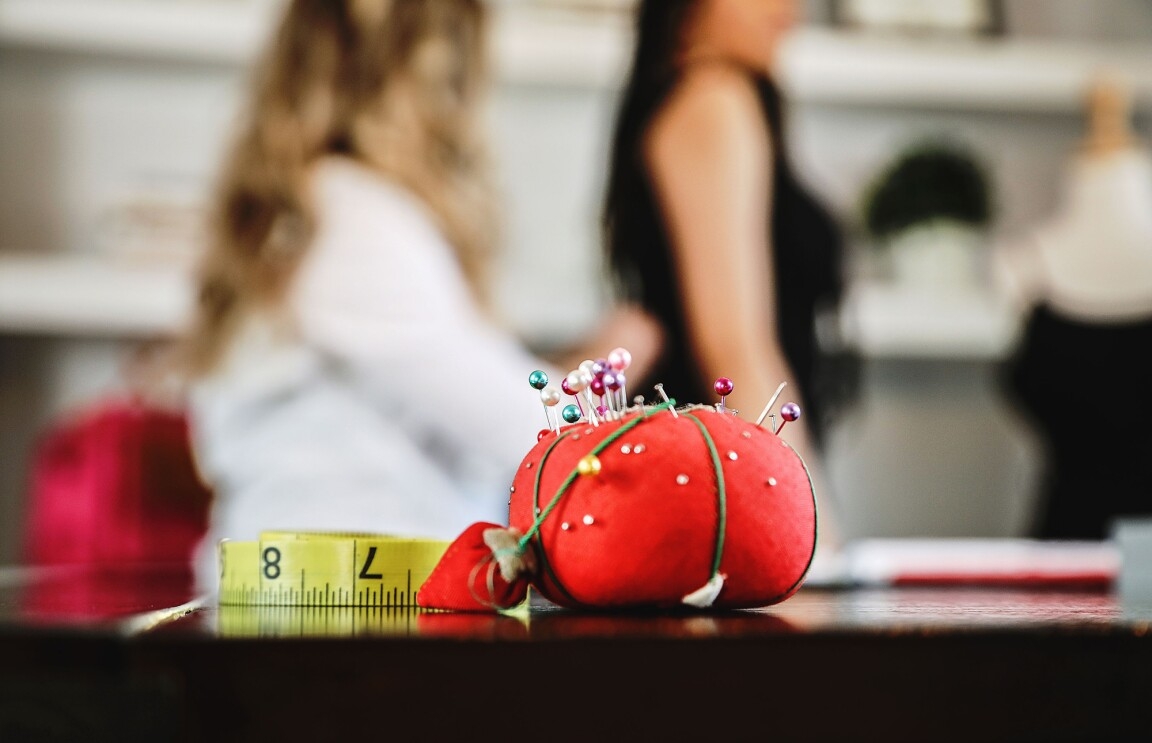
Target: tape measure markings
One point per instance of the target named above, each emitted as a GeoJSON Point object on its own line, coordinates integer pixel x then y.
{"type": "Point", "coordinates": [334, 569]}
{"type": "Point", "coordinates": [317, 621]}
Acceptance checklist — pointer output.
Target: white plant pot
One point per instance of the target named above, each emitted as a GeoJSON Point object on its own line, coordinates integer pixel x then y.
{"type": "Point", "coordinates": [938, 255]}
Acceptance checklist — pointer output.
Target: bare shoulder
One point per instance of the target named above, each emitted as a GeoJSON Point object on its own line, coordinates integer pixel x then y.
{"type": "Point", "coordinates": [713, 105]}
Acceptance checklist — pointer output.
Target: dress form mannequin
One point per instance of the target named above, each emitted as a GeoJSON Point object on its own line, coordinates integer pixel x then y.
{"type": "Point", "coordinates": [1079, 373]}
{"type": "Point", "coordinates": [1093, 259]}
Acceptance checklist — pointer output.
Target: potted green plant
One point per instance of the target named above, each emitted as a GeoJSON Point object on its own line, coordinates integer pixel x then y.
{"type": "Point", "coordinates": [928, 213]}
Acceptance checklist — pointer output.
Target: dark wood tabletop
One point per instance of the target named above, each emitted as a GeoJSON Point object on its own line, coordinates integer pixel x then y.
{"type": "Point", "coordinates": [131, 653]}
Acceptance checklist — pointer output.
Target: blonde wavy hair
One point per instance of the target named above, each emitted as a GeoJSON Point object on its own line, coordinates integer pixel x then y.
{"type": "Point", "coordinates": [394, 84]}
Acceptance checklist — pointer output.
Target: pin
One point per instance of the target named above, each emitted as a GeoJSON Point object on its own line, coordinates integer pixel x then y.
{"type": "Point", "coordinates": [620, 390]}
{"type": "Point", "coordinates": [723, 387]}
{"type": "Point", "coordinates": [550, 396]}
{"type": "Point", "coordinates": [614, 381]}
{"type": "Point", "coordinates": [538, 380]}
{"type": "Point", "coordinates": [596, 389]}
{"type": "Point", "coordinates": [599, 369]}
{"type": "Point", "coordinates": [789, 411]}
{"type": "Point", "coordinates": [571, 414]}
{"type": "Point", "coordinates": [592, 417]}
{"type": "Point", "coordinates": [619, 359]}
{"type": "Point", "coordinates": [581, 383]}
{"type": "Point", "coordinates": [663, 394]}
{"type": "Point", "coordinates": [610, 387]}
{"type": "Point", "coordinates": [639, 400]}
{"type": "Point", "coordinates": [771, 402]}
{"type": "Point", "coordinates": [589, 465]}
{"type": "Point", "coordinates": [574, 389]}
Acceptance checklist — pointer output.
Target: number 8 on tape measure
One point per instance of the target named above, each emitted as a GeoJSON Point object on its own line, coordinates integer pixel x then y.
{"type": "Point", "coordinates": [326, 569]}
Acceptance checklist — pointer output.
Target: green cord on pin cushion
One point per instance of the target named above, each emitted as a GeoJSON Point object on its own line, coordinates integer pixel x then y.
{"type": "Point", "coordinates": [641, 506]}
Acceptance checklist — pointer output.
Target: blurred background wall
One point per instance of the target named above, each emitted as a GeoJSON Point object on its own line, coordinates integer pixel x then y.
{"type": "Point", "coordinates": [114, 113]}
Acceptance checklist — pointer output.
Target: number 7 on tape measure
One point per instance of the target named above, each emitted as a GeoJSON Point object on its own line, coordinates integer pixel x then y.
{"type": "Point", "coordinates": [320, 569]}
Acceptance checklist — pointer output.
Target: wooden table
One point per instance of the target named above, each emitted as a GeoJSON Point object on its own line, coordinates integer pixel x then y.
{"type": "Point", "coordinates": [87, 655]}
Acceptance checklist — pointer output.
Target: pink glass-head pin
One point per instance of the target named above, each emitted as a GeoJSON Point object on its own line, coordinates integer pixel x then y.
{"type": "Point", "coordinates": [723, 387]}
{"type": "Point", "coordinates": [619, 359]}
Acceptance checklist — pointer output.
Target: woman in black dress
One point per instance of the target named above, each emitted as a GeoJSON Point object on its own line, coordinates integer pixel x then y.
{"type": "Point", "coordinates": [706, 225]}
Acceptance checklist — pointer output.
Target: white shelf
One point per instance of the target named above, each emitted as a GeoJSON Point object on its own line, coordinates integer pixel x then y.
{"type": "Point", "coordinates": [228, 31]}
{"type": "Point", "coordinates": [531, 46]}
{"type": "Point", "coordinates": [88, 296]}
{"type": "Point", "coordinates": [887, 321]}
{"type": "Point", "coordinates": [536, 46]}
{"type": "Point", "coordinates": [990, 73]}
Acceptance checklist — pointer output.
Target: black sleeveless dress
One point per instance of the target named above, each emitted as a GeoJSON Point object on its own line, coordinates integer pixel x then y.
{"type": "Point", "coordinates": [807, 253]}
{"type": "Point", "coordinates": [1098, 458]}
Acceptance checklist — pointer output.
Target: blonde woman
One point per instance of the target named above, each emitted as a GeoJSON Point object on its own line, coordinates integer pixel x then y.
{"type": "Point", "coordinates": [347, 376]}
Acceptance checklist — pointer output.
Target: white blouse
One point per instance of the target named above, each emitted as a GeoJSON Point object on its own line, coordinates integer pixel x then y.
{"type": "Point", "coordinates": [391, 406]}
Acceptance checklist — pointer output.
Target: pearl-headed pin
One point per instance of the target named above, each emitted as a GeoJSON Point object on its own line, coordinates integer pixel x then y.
{"type": "Point", "coordinates": [550, 396]}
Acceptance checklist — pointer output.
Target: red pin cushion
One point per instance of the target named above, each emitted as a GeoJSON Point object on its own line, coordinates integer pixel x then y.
{"type": "Point", "coordinates": [676, 500]}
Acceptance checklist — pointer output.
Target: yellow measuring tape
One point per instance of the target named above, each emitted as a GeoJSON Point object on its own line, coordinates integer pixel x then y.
{"type": "Point", "coordinates": [326, 569]}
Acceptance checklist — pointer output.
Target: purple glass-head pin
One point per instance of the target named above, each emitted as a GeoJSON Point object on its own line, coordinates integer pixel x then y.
{"type": "Point", "coordinates": [610, 387]}
{"type": "Point", "coordinates": [619, 391]}
{"type": "Point", "coordinates": [789, 411]}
